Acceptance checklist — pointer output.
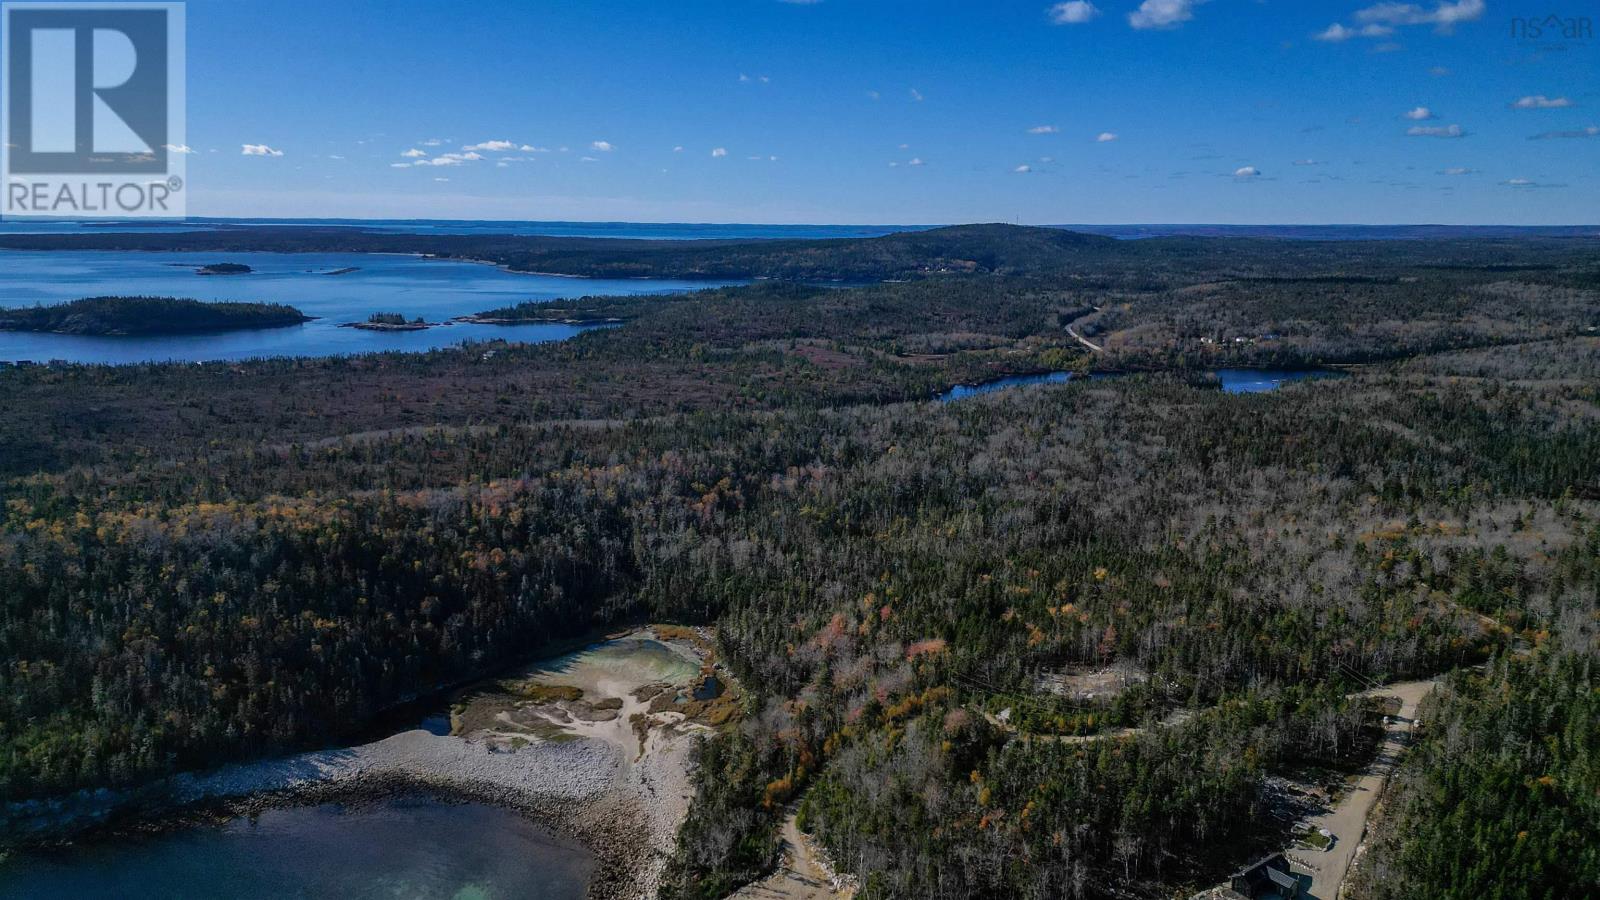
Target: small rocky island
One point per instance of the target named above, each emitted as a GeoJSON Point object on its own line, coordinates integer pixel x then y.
{"type": "Point", "coordinates": [224, 269]}
{"type": "Point", "coordinates": [391, 321]}
{"type": "Point", "coordinates": [148, 316]}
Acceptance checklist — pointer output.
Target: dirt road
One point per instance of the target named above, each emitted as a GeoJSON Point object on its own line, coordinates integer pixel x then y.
{"type": "Point", "coordinates": [1347, 821]}
{"type": "Point", "coordinates": [1084, 341]}
{"type": "Point", "coordinates": [801, 876]}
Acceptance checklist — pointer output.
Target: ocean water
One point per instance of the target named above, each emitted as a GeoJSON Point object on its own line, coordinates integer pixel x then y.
{"type": "Point", "coordinates": [682, 231]}
{"type": "Point", "coordinates": [436, 290]}
{"type": "Point", "coordinates": [656, 231]}
{"type": "Point", "coordinates": [399, 849]}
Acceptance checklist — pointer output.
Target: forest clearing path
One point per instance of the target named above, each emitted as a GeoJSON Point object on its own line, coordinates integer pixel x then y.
{"type": "Point", "coordinates": [802, 875]}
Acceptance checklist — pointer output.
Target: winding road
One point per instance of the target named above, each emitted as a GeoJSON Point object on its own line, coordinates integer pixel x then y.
{"type": "Point", "coordinates": [1084, 341]}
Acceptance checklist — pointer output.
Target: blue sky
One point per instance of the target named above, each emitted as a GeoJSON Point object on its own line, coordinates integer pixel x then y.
{"type": "Point", "coordinates": [872, 111]}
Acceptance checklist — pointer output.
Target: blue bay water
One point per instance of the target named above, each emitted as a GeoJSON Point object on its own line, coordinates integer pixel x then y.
{"type": "Point", "coordinates": [408, 847]}
{"type": "Point", "coordinates": [655, 231]}
{"type": "Point", "coordinates": [436, 290]}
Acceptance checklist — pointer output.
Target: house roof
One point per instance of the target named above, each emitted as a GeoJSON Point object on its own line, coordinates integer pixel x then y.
{"type": "Point", "coordinates": [1265, 862]}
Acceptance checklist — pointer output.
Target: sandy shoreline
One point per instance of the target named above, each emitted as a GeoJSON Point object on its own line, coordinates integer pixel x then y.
{"type": "Point", "coordinates": [618, 784]}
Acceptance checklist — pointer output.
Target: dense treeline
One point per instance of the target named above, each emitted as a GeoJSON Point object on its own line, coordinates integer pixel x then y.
{"type": "Point", "coordinates": [144, 641]}
{"type": "Point", "coordinates": [958, 249]}
{"type": "Point", "coordinates": [206, 562]}
{"type": "Point", "coordinates": [1501, 797]}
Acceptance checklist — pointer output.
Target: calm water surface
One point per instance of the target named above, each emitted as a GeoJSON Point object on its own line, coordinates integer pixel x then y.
{"type": "Point", "coordinates": [1256, 381]}
{"type": "Point", "coordinates": [437, 290]}
{"type": "Point", "coordinates": [400, 849]}
{"type": "Point", "coordinates": [655, 231]}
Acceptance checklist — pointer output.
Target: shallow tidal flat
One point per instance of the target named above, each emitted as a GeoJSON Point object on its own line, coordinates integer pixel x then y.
{"type": "Point", "coordinates": [592, 745]}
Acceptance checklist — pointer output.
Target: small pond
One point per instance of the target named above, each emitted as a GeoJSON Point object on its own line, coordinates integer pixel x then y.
{"type": "Point", "coordinates": [1234, 381]}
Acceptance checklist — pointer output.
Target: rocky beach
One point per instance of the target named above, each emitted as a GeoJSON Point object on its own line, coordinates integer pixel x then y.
{"type": "Point", "coordinates": [594, 745]}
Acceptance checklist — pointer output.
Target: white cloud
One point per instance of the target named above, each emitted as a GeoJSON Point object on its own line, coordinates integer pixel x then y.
{"type": "Point", "coordinates": [184, 149]}
{"type": "Point", "coordinates": [260, 150]}
{"type": "Point", "coordinates": [719, 152]}
{"type": "Point", "coordinates": [430, 142]}
{"type": "Point", "coordinates": [602, 146]}
{"type": "Point", "coordinates": [414, 153]}
{"type": "Point", "coordinates": [1074, 12]}
{"type": "Point", "coordinates": [916, 161]}
{"type": "Point", "coordinates": [1336, 33]}
{"type": "Point", "coordinates": [1540, 101]}
{"type": "Point", "coordinates": [1591, 131]}
{"type": "Point", "coordinates": [1162, 13]}
{"type": "Point", "coordinates": [1307, 162]}
{"type": "Point", "coordinates": [916, 95]}
{"type": "Point", "coordinates": [529, 148]}
{"type": "Point", "coordinates": [441, 179]}
{"type": "Point", "coordinates": [1457, 170]}
{"type": "Point", "coordinates": [1420, 114]}
{"type": "Point", "coordinates": [1444, 16]}
{"type": "Point", "coordinates": [1439, 131]}
{"type": "Point", "coordinates": [450, 159]}
{"type": "Point", "coordinates": [1246, 172]}
{"type": "Point", "coordinates": [493, 146]}
{"type": "Point", "coordinates": [1043, 129]}
{"type": "Point", "coordinates": [587, 159]}
{"type": "Point", "coordinates": [1381, 20]}
{"type": "Point", "coordinates": [1105, 137]}
{"type": "Point", "coordinates": [678, 149]}
{"type": "Point", "coordinates": [1023, 169]}
{"type": "Point", "coordinates": [873, 95]}
{"type": "Point", "coordinates": [399, 165]}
